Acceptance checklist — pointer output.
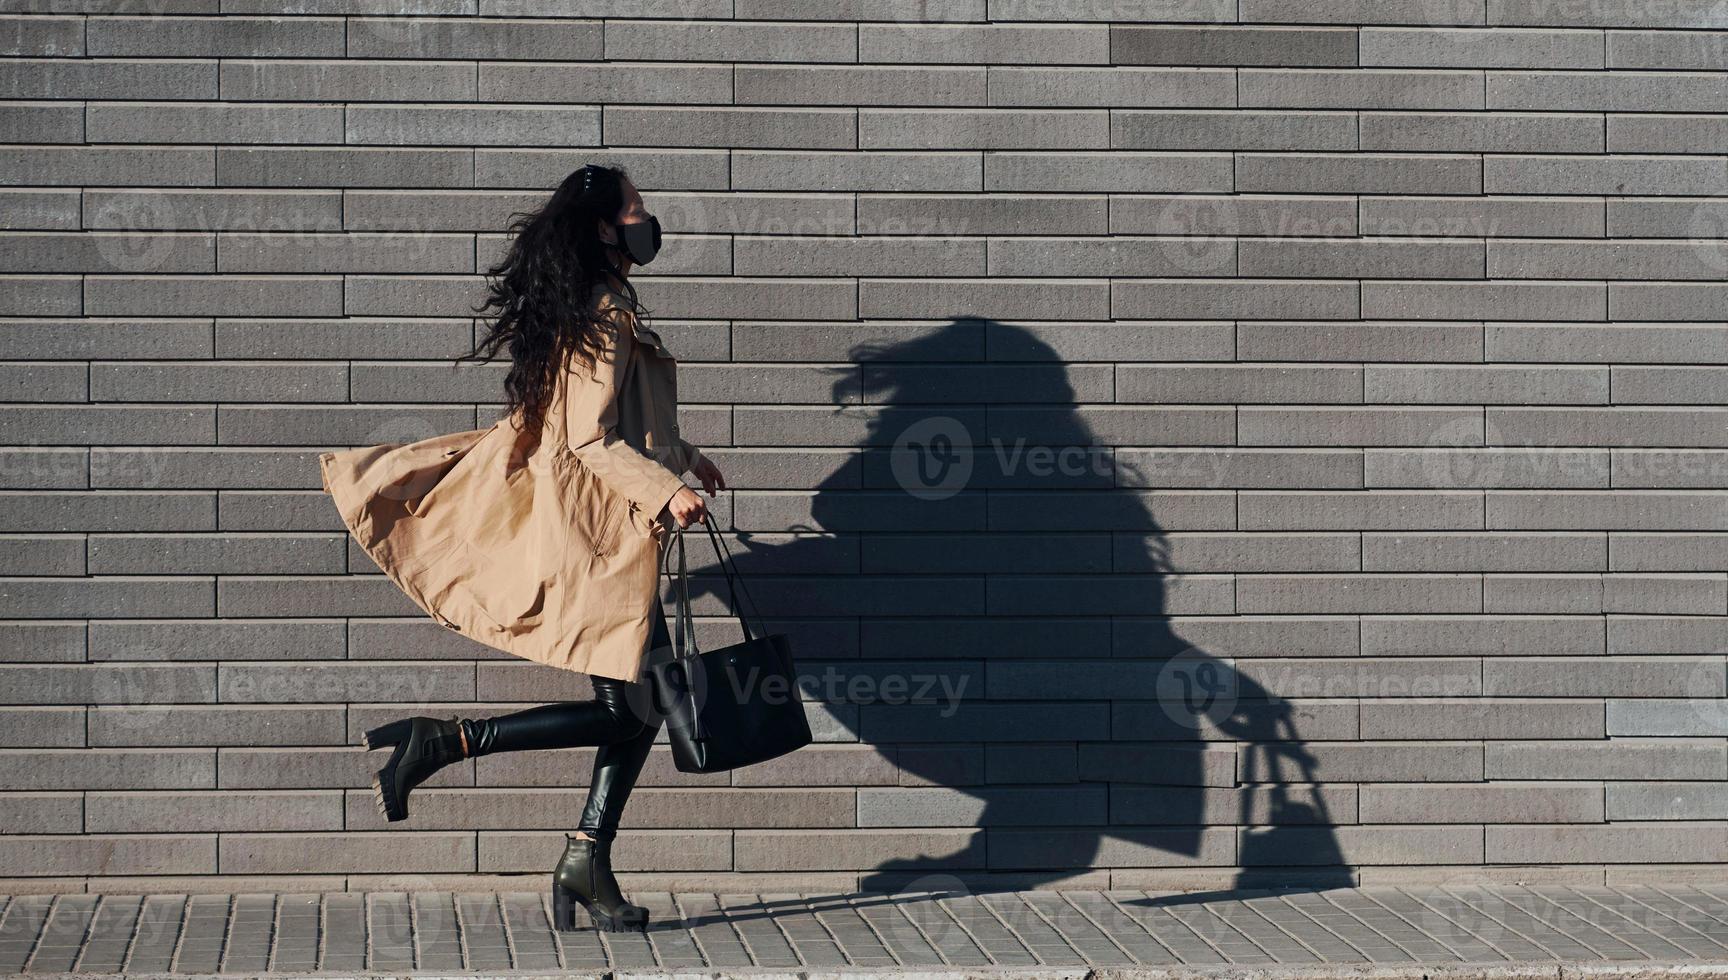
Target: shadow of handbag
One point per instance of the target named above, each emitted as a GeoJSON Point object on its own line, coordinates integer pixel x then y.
{"type": "Point", "coordinates": [731, 707]}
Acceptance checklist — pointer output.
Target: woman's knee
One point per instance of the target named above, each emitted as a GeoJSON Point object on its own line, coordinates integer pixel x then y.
{"type": "Point", "coordinates": [616, 696]}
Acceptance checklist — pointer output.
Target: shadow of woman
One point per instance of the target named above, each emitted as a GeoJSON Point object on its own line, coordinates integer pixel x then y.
{"type": "Point", "coordinates": [978, 589]}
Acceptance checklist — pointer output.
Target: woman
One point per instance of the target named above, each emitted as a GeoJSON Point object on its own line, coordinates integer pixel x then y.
{"type": "Point", "coordinates": [541, 534]}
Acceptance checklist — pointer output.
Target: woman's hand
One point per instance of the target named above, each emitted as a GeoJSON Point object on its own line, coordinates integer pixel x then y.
{"type": "Point", "coordinates": [709, 474]}
{"type": "Point", "coordinates": [687, 507]}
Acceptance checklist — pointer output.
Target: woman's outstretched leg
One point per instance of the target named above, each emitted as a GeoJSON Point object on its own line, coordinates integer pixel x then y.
{"type": "Point", "coordinates": [620, 711]}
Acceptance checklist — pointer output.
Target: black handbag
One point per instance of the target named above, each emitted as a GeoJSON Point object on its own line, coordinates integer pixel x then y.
{"type": "Point", "coordinates": [731, 707]}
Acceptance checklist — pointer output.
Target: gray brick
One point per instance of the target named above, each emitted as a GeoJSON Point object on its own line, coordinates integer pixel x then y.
{"type": "Point", "coordinates": [1658, 218]}
{"type": "Point", "coordinates": [473, 125]}
{"type": "Point", "coordinates": [1601, 677]}
{"type": "Point", "coordinates": [764, 170]}
{"type": "Point", "coordinates": [32, 210]}
{"type": "Point", "coordinates": [1693, 717]}
{"type": "Point", "coordinates": [586, 83]}
{"type": "Point", "coordinates": [993, 44]}
{"type": "Point", "coordinates": [227, 810]}
{"type": "Point", "coordinates": [1343, 594]}
{"type": "Point", "coordinates": [1616, 176]}
{"type": "Point", "coordinates": [1110, 87]}
{"type": "Point", "coordinates": [63, 166]}
{"type": "Point", "coordinates": [1499, 803]}
{"type": "Point", "coordinates": [1235, 130]}
{"type": "Point", "coordinates": [1378, 509]}
{"type": "Point", "coordinates": [920, 214]}
{"type": "Point", "coordinates": [1486, 636]}
{"type": "Point", "coordinates": [415, 296]}
{"type": "Point", "coordinates": [1481, 48]}
{"type": "Point", "coordinates": [41, 122]}
{"type": "Point", "coordinates": [1666, 301]}
{"type": "Point", "coordinates": [41, 813]}
{"type": "Point", "coordinates": [1107, 172]}
{"type": "Point", "coordinates": [695, 40]}
{"type": "Point", "coordinates": [649, 169]}
{"type": "Point", "coordinates": [465, 38]}
{"type": "Point", "coordinates": [1240, 468]}
{"type": "Point", "coordinates": [1655, 133]}
{"type": "Point", "coordinates": [1119, 255]}
{"type": "Point", "coordinates": [1331, 259]}
{"type": "Point", "coordinates": [1486, 468]}
{"type": "Point", "coordinates": [1484, 301]}
{"type": "Point", "coordinates": [28, 78]}
{"type": "Point", "coordinates": [194, 295]}
{"type": "Point", "coordinates": [1610, 343]}
{"type": "Point", "coordinates": [42, 37]}
{"type": "Point", "coordinates": [1183, 11]}
{"type": "Point", "coordinates": [859, 85]}
{"type": "Point", "coordinates": [1240, 299]}
{"type": "Point", "coordinates": [109, 770]}
{"type": "Point", "coordinates": [1309, 88]}
{"type": "Point", "coordinates": [1618, 844]}
{"type": "Point", "coordinates": [141, 854]}
{"type": "Point", "coordinates": [1487, 217]}
{"type": "Point", "coordinates": [741, 127]}
{"type": "Point", "coordinates": [937, 11]}
{"type": "Point", "coordinates": [339, 81]}
{"type": "Point", "coordinates": [215, 37]}
{"type": "Point", "coordinates": [132, 640]}
{"type": "Point", "coordinates": [360, 167]}
{"type": "Point", "coordinates": [1361, 173]}
{"type": "Point", "coordinates": [1422, 13]}
{"type": "Point", "coordinates": [1359, 341]}
{"type": "Point", "coordinates": [1493, 385]}
{"type": "Point", "coordinates": [346, 253]}
{"type": "Point", "coordinates": [1659, 801]}
{"type": "Point", "coordinates": [1485, 132]}
{"type": "Point", "coordinates": [1498, 718]}
{"type": "Point", "coordinates": [982, 129]}
{"type": "Point", "coordinates": [107, 252]}
{"type": "Point", "coordinates": [1607, 13]}
{"type": "Point", "coordinates": [1232, 46]}
{"type": "Point", "coordinates": [1259, 384]}
{"type": "Point", "coordinates": [40, 295]}
{"type": "Point", "coordinates": [1668, 49]}
{"type": "Point", "coordinates": [1070, 300]}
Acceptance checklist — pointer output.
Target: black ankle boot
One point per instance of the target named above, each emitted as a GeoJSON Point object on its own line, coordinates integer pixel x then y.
{"type": "Point", "coordinates": [423, 746]}
{"type": "Point", "coordinates": [584, 876]}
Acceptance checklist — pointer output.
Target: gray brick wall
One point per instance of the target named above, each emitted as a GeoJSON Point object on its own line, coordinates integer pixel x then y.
{"type": "Point", "coordinates": [1337, 386]}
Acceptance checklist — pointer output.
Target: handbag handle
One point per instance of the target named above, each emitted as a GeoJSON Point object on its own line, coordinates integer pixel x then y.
{"type": "Point", "coordinates": [685, 627]}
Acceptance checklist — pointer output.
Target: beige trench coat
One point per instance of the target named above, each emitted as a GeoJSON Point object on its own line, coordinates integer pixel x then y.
{"type": "Point", "coordinates": [545, 545]}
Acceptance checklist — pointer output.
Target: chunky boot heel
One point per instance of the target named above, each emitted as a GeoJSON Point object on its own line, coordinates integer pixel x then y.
{"type": "Point", "coordinates": [584, 877]}
{"type": "Point", "coordinates": [422, 747]}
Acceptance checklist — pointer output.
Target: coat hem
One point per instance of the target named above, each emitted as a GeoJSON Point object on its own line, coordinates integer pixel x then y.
{"type": "Point", "coordinates": [471, 629]}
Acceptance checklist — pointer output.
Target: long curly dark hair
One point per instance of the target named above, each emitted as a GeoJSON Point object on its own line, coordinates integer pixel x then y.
{"type": "Point", "coordinates": [540, 296]}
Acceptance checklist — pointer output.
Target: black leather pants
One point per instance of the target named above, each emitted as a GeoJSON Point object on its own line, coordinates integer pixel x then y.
{"type": "Point", "coordinates": [620, 720]}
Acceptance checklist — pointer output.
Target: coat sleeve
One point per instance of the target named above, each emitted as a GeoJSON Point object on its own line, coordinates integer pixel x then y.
{"type": "Point", "coordinates": [591, 428]}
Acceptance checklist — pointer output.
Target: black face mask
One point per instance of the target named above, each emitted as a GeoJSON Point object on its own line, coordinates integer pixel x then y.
{"type": "Point", "coordinates": [641, 240]}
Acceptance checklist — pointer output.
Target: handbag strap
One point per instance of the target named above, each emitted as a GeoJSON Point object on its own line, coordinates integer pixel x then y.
{"type": "Point", "coordinates": [734, 586]}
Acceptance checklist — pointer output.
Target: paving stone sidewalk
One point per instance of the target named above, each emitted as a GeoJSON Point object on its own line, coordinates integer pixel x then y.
{"type": "Point", "coordinates": [1538, 931]}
